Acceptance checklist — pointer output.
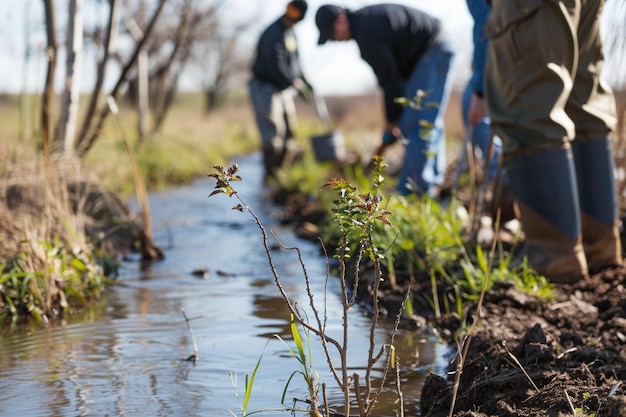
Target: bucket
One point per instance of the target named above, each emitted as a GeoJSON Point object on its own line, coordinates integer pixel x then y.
{"type": "Point", "coordinates": [329, 147]}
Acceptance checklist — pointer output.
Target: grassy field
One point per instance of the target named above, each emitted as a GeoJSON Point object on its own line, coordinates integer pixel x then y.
{"type": "Point", "coordinates": [191, 139]}
{"type": "Point", "coordinates": [49, 260]}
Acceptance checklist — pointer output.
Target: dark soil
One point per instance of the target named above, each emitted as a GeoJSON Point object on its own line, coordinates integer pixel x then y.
{"type": "Point", "coordinates": [530, 357]}
{"type": "Point", "coordinates": [527, 356]}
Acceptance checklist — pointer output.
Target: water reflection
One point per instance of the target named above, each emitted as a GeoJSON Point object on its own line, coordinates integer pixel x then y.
{"type": "Point", "coordinates": [274, 310]}
{"type": "Point", "coordinates": [124, 356]}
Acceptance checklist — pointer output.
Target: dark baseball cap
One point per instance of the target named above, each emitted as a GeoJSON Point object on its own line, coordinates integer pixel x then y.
{"type": "Point", "coordinates": [325, 21]}
{"type": "Point", "coordinates": [296, 9]}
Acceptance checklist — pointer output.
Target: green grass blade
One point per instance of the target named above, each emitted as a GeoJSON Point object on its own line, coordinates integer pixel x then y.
{"type": "Point", "coordinates": [250, 381]}
{"type": "Point", "coordinates": [298, 340]}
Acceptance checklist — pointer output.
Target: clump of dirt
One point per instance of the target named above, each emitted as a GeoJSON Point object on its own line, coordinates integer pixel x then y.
{"type": "Point", "coordinates": [304, 213]}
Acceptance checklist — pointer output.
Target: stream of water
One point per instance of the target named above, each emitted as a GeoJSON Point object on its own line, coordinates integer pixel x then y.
{"type": "Point", "coordinates": [124, 356]}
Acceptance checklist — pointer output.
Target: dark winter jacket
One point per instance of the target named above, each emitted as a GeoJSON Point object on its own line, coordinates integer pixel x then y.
{"type": "Point", "coordinates": [277, 61]}
{"type": "Point", "coordinates": [391, 39]}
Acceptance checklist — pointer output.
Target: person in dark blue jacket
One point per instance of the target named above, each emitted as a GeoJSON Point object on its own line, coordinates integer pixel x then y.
{"type": "Point", "coordinates": [477, 122]}
{"type": "Point", "coordinates": [409, 53]}
{"type": "Point", "coordinates": [276, 71]}
{"type": "Point", "coordinates": [473, 106]}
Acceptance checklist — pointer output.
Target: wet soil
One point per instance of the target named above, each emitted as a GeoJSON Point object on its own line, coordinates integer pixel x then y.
{"type": "Point", "coordinates": [525, 356]}
{"type": "Point", "coordinates": [531, 357]}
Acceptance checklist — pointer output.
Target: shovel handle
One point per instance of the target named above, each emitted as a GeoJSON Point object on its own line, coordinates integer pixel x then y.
{"type": "Point", "coordinates": [322, 110]}
{"type": "Point", "coordinates": [380, 150]}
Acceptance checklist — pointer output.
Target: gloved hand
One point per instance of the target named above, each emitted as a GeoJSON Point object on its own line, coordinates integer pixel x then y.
{"type": "Point", "coordinates": [308, 84]}
{"type": "Point", "coordinates": [391, 134]}
{"type": "Point", "coordinates": [304, 89]}
{"type": "Point", "coordinates": [388, 137]}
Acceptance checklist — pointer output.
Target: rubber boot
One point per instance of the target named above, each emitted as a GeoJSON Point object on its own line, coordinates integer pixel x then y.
{"type": "Point", "coordinates": [270, 161]}
{"type": "Point", "coordinates": [598, 203]}
{"type": "Point", "coordinates": [502, 202]}
{"type": "Point", "coordinates": [544, 185]}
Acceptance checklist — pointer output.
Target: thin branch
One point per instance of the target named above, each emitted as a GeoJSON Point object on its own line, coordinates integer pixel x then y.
{"type": "Point", "coordinates": [196, 355]}
{"type": "Point", "coordinates": [48, 96]}
{"type": "Point", "coordinates": [320, 330]}
{"type": "Point", "coordinates": [85, 144]}
{"type": "Point", "coordinates": [517, 362]}
{"type": "Point", "coordinates": [149, 251]}
{"type": "Point", "coordinates": [95, 94]}
{"type": "Point", "coordinates": [569, 401]}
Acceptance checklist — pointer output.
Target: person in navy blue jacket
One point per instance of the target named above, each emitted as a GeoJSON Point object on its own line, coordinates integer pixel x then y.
{"type": "Point", "coordinates": [276, 72]}
{"type": "Point", "coordinates": [408, 52]}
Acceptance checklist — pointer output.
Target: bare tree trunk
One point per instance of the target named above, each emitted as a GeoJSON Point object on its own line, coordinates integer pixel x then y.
{"type": "Point", "coordinates": [164, 91]}
{"type": "Point", "coordinates": [214, 91]}
{"type": "Point", "coordinates": [27, 117]}
{"type": "Point", "coordinates": [85, 143]}
{"type": "Point", "coordinates": [109, 45]}
{"type": "Point", "coordinates": [143, 80]}
{"type": "Point", "coordinates": [64, 139]}
{"type": "Point", "coordinates": [225, 65]}
{"type": "Point", "coordinates": [48, 96]}
{"type": "Point", "coordinates": [165, 104]}
{"type": "Point", "coordinates": [142, 94]}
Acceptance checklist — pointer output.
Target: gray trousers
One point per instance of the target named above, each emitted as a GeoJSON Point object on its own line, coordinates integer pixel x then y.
{"type": "Point", "coordinates": [275, 114]}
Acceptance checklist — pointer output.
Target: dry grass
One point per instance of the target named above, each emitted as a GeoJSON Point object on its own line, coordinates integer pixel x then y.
{"type": "Point", "coordinates": [46, 256]}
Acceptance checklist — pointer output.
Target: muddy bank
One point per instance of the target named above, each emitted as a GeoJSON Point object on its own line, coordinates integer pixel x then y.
{"type": "Point", "coordinates": [527, 356]}
{"type": "Point", "coordinates": [535, 358]}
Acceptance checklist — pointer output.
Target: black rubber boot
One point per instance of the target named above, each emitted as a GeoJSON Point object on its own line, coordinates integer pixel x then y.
{"type": "Point", "coordinates": [598, 203]}
{"type": "Point", "coordinates": [544, 185]}
{"type": "Point", "coordinates": [269, 164]}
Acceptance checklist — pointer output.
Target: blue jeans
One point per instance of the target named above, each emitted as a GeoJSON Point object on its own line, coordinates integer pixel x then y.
{"type": "Point", "coordinates": [425, 149]}
{"type": "Point", "coordinates": [480, 134]}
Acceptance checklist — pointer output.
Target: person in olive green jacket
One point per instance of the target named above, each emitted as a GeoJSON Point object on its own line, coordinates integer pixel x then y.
{"type": "Point", "coordinates": [555, 115]}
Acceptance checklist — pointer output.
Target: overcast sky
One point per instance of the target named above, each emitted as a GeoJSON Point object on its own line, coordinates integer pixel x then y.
{"type": "Point", "coordinates": [333, 68]}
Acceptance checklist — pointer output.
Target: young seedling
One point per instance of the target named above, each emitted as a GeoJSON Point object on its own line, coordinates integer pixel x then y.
{"type": "Point", "coordinates": [355, 214]}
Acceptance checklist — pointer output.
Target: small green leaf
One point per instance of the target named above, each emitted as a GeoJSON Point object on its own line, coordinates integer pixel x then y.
{"type": "Point", "coordinates": [403, 101]}
{"type": "Point", "coordinates": [407, 244]}
{"type": "Point", "coordinates": [78, 265]}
